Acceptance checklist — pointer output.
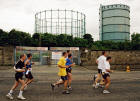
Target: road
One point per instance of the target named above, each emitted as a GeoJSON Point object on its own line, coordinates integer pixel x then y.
{"type": "Point", "coordinates": [124, 87]}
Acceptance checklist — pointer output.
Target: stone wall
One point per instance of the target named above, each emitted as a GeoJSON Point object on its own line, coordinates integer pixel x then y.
{"type": "Point", "coordinates": [6, 56]}
{"type": "Point", "coordinates": [120, 59]}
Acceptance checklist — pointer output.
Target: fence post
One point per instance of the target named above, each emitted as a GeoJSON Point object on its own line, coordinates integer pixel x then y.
{"type": "Point", "coordinates": [15, 55]}
{"type": "Point", "coordinates": [40, 55]}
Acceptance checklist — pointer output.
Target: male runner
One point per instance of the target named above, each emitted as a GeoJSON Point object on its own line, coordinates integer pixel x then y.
{"type": "Point", "coordinates": [28, 74]}
{"type": "Point", "coordinates": [101, 64]}
{"type": "Point", "coordinates": [68, 52]}
{"type": "Point", "coordinates": [69, 70]}
{"type": "Point", "coordinates": [106, 75]}
{"type": "Point", "coordinates": [19, 68]}
{"type": "Point", "coordinates": [62, 73]}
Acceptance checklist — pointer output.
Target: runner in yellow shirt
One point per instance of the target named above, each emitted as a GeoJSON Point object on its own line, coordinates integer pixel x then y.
{"type": "Point", "coordinates": [62, 73]}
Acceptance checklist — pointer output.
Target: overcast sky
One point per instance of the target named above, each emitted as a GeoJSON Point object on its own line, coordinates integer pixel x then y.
{"type": "Point", "coordinates": [19, 14]}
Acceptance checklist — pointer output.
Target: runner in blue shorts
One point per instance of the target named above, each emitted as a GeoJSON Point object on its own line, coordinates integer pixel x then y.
{"type": "Point", "coordinates": [69, 70]}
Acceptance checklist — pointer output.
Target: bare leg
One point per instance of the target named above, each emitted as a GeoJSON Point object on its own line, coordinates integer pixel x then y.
{"type": "Point", "coordinates": [9, 95]}
{"type": "Point", "coordinates": [65, 84]}
{"type": "Point", "coordinates": [29, 81]}
{"type": "Point", "coordinates": [15, 85]}
{"type": "Point", "coordinates": [98, 78]}
{"type": "Point", "coordinates": [26, 80]}
{"type": "Point", "coordinates": [21, 89]}
{"type": "Point", "coordinates": [22, 84]}
{"type": "Point", "coordinates": [107, 83]}
{"type": "Point", "coordinates": [59, 82]}
{"type": "Point", "coordinates": [69, 79]}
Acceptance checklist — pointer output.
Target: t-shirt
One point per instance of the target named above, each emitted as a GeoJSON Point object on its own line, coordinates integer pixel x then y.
{"type": "Point", "coordinates": [29, 65]}
{"type": "Point", "coordinates": [68, 62]}
{"type": "Point", "coordinates": [19, 65]}
{"type": "Point", "coordinates": [101, 62]}
{"type": "Point", "coordinates": [62, 62]}
{"type": "Point", "coordinates": [107, 66]}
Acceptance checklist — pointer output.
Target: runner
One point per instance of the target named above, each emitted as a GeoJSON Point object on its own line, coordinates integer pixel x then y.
{"type": "Point", "coordinates": [62, 73]}
{"type": "Point", "coordinates": [106, 75]}
{"type": "Point", "coordinates": [68, 52]}
{"type": "Point", "coordinates": [101, 64]}
{"type": "Point", "coordinates": [28, 74]}
{"type": "Point", "coordinates": [69, 70]}
{"type": "Point", "coordinates": [19, 68]}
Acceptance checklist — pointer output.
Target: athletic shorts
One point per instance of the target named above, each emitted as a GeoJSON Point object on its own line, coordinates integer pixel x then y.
{"type": "Point", "coordinates": [64, 78]}
{"type": "Point", "coordinates": [68, 70]}
{"type": "Point", "coordinates": [29, 76]}
{"type": "Point", "coordinates": [105, 75]}
{"type": "Point", "coordinates": [99, 71]}
{"type": "Point", "coordinates": [18, 76]}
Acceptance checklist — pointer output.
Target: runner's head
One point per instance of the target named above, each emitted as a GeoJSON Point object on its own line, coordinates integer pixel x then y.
{"type": "Point", "coordinates": [23, 56]}
{"type": "Point", "coordinates": [68, 52]}
{"type": "Point", "coordinates": [69, 56]}
{"type": "Point", "coordinates": [104, 53]}
{"type": "Point", "coordinates": [64, 54]}
{"type": "Point", "coordinates": [108, 59]}
{"type": "Point", "coordinates": [29, 56]}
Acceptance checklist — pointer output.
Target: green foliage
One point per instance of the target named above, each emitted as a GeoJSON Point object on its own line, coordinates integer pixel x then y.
{"type": "Point", "coordinates": [35, 39]}
{"type": "Point", "coordinates": [48, 40]}
{"type": "Point", "coordinates": [135, 41]}
{"type": "Point", "coordinates": [89, 39]}
{"type": "Point", "coordinates": [3, 38]}
{"type": "Point", "coordinates": [19, 38]}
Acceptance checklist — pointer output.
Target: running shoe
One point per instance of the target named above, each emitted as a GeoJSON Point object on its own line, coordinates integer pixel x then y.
{"type": "Point", "coordinates": [106, 92]}
{"type": "Point", "coordinates": [21, 98]}
{"type": "Point", "coordinates": [69, 88]}
{"type": "Point", "coordinates": [96, 85]}
{"type": "Point", "coordinates": [65, 92]}
{"type": "Point", "coordinates": [58, 85]}
{"type": "Point", "coordinates": [93, 85]}
{"type": "Point", "coordinates": [102, 86]}
{"type": "Point", "coordinates": [9, 96]}
{"type": "Point", "coordinates": [53, 86]}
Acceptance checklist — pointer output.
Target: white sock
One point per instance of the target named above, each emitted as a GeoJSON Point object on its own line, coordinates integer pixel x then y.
{"type": "Point", "coordinates": [20, 93]}
{"type": "Point", "coordinates": [11, 92]}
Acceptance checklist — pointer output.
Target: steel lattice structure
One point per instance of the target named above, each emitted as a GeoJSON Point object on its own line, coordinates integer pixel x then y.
{"type": "Point", "coordinates": [61, 22]}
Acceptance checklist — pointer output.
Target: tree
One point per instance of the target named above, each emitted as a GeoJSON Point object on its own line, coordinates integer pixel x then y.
{"type": "Point", "coordinates": [135, 41]}
{"type": "Point", "coordinates": [15, 38]}
{"type": "Point", "coordinates": [89, 38]}
{"type": "Point", "coordinates": [3, 38]}
{"type": "Point", "coordinates": [19, 38]}
{"type": "Point", "coordinates": [36, 39]}
{"type": "Point", "coordinates": [62, 40]}
{"type": "Point", "coordinates": [48, 40]}
{"type": "Point", "coordinates": [79, 42]}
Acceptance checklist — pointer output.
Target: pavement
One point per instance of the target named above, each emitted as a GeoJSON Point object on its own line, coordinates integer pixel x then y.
{"type": "Point", "coordinates": [124, 86]}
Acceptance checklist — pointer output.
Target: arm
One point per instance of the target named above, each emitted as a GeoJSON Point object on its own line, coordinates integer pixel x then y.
{"type": "Point", "coordinates": [73, 64]}
{"type": "Point", "coordinates": [32, 63]}
{"type": "Point", "coordinates": [97, 61]}
{"type": "Point", "coordinates": [19, 70]}
{"type": "Point", "coordinates": [26, 62]}
{"type": "Point", "coordinates": [62, 66]}
{"type": "Point", "coordinates": [108, 70]}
